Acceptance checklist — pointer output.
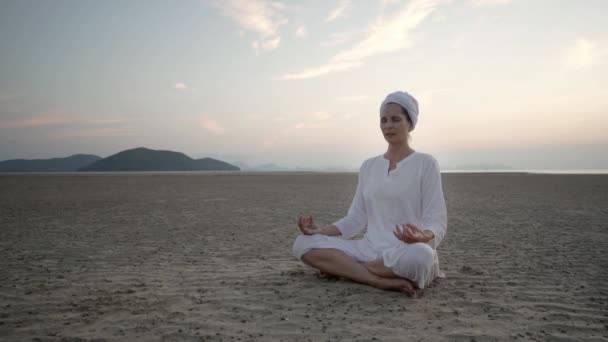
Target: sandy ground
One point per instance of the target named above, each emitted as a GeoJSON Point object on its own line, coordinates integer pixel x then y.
{"type": "Point", "coordinates": [204, 257]}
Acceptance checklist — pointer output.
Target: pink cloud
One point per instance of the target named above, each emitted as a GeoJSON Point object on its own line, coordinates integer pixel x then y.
{"type": "Point", "coordinates": [385, 36]}
{"type": "Point", "coordinates": [36, 121]}
{"type": "Point", "coordinates": [180, 85]}
{"type": "Point", "coordinates": [339, 10]}
{"type": "Point", "coordinates": [94, 133]}
{"type": "Point", "coordinates": [9, 96]}
{"type": "Point", "coordinates": [212, 126]}
{"type": "Point", "coordinates": [261, 17]}
{"type": "Point", "coordinates": [58, 119]}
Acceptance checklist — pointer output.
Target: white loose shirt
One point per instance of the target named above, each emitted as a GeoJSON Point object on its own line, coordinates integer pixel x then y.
{"type": "Point", "coordinates": [411, 193]}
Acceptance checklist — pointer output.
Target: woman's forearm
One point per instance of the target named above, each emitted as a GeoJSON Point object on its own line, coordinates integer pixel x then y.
{"type": "Point", "coordinates": [331, 231]}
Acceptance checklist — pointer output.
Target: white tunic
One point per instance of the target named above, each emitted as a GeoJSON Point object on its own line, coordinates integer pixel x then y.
{"type": "Point", "coordinates": [411, 193]}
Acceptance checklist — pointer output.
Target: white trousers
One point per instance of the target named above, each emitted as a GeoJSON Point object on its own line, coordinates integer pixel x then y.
{"type": "Point", "coordinates": [417, 262]}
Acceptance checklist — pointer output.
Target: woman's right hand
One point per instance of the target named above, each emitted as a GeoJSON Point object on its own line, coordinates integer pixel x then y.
{"type": "Point", "coordinates": [307, 225]}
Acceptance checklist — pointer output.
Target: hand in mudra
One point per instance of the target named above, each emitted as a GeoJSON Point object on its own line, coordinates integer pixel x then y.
{"type": "Point", "coordinates": [409, 233]}
{"type": "Point", "coordinates": [307, 225]}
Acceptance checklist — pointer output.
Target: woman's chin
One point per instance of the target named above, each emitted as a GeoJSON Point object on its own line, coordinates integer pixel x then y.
{"type": "Point", "coordinates": [393, 140]}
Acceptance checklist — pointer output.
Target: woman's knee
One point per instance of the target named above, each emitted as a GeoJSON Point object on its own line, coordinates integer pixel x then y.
{"type": "Point", "coordinates": [416, 264]}
{"type": "Point", "coordinates": [421, 254]}
{"type": "Point", "coordinates": [302, 245]}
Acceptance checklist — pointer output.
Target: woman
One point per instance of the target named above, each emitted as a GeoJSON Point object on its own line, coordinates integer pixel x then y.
{"type": "Point", "coordinates": [400, 199]}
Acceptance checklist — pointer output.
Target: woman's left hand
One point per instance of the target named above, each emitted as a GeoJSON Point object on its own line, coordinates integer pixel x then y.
{"type": "Point", "coordinates": [409, 233]}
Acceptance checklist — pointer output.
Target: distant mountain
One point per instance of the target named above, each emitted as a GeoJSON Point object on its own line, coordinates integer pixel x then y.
{"type": "Point", "coordinates": [143, 159]}
{"type": "Point", "coordinates": [67, 164]}
{"type": "Point", "coordinates": [243, 166]}
{"type": "Point", "coordinates": [210, 164]}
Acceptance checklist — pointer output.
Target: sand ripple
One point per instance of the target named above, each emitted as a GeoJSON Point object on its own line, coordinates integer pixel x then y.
{"type": "Point", "coordinates": [207, 258]}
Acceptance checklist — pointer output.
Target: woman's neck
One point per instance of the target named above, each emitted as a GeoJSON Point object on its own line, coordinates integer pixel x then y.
{"type": "Point", "coordinates": [396, 153]}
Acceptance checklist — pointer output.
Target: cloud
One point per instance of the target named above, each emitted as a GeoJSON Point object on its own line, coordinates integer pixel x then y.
{"type": "Point", "coordinates": [95, 132]}
{"type": "Point", "coordinates": [108, 121]}
{"type": "Point", "coordinates": [301, 32]}
{"type": "Point", "coordinates": [212, 126]}
{"type": "Point", "coordinates": [180, 85]}
{"type": "Point", "coordinates": [37, 121]}
{"type": "Point", "coordinates": [320, 71]}
{"type": "Point", "coordinates": [338, 38]}
{"type": "Point", "coordinates": [270, 44]}
{"type": "Point", "coordinates": [58, 119]}
{"type": "Point", "coordinates": [339, 10]}
{"type": "Point", "coordinates": [9, 96]}
{"type": "Point", "coordinates": [387, 35]}
{"type": "Point", "coordinates": [582, 54]}
{"type": "Point", "coordinates": [480, 3]}
{"type": "Point", "coordinates": [261, 17]}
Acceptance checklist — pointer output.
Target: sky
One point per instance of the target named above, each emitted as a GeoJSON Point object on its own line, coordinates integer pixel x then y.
{"type": "Point", "coordinates": [501, 83]}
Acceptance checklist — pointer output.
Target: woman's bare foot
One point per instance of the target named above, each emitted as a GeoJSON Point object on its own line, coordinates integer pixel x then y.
{"type": "Point", "coordinates": [399, 285]}
{"type": "Point", "coordinates": [327, 276]}
{"type": "Point", "coordinates": [391, 281]}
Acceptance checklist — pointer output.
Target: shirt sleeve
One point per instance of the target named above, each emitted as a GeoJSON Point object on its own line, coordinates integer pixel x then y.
{"type": "Point", "coordinates": [356, 219]}
{"type": "Point", "coordinates": [434, 212]}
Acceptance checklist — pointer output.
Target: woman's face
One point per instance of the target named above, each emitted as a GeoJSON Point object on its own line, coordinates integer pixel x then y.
{"type": "Point", "coordinates": [394, 124]}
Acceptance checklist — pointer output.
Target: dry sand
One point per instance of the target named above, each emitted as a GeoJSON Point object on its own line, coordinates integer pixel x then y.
{"type": "Point", "coordinates": [204, 257]}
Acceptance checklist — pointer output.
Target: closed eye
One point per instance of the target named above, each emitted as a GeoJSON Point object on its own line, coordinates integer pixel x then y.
{"type": "Point", "coordinates": [395, 118]}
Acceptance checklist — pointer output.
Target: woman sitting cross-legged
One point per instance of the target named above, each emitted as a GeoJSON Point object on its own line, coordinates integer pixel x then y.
{"type": "Point", "coordinates": [399, 198]}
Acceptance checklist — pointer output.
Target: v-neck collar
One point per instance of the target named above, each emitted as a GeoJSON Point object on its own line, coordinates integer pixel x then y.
{"type": "Point", "coordinates": [387, 163]}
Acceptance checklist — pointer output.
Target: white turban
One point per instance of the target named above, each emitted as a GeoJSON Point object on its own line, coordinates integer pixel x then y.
{"type": "Point", "coordinates": [405, 100]}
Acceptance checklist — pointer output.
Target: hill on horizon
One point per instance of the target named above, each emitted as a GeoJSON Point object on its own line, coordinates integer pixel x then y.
{"type": "Point", "coordinates": [144, 159]}
{"type": "Point", "coordinates": [67, 164]}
